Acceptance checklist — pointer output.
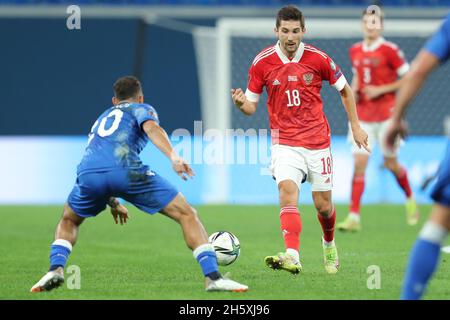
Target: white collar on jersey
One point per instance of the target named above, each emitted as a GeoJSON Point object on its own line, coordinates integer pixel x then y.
{"type": "Point", "coordinates": [297, 57]}
{"type": "Point", "coordinates": [374, 46]}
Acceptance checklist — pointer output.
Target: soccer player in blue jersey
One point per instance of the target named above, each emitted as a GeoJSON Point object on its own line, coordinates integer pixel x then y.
{"type": "Point", "coordinates": [425, 253]}
{"type": "Point", "coordinates": [111, 168]}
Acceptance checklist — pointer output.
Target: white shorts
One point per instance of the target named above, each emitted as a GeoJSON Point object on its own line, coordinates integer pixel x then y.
{"type": "Point", "coordinates": [301, 164]}
{"type": "Point", "coordinates": [376, 132]}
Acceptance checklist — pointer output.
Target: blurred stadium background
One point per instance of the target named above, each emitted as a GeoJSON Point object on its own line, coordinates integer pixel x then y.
{"type": "Point", "coordinates": [187, 54]}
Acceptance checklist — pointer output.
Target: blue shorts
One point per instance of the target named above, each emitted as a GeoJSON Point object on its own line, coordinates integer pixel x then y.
{"type": "Point", "coordinates": [141, 187]}
{"type": "Point", "coordinates": [441, 190]}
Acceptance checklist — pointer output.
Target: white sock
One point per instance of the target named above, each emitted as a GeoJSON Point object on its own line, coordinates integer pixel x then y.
{"type": "Point", "coordinates": [202, 248]}
{"type": "Point", "coordinates": [433, 232]}
{"type": "Point", "coordinates": [63, 243]}
{"type": "Point", "coordinates": [294, 254]}
{"type": "Point", "coordinates": [354, 216]}
{"type": "Point", "coordinates": [328, 244]}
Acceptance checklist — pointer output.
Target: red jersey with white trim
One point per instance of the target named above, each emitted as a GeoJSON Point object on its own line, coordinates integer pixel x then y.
{"type": "Point", "coordinates": [293, 86]}
{"type": "Point", "coordinates": [378, 64]}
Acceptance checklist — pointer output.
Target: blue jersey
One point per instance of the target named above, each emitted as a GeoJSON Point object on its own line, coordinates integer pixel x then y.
{"type": "Point", "coordinates": [116, 138]}
{"type": "Point", "coordinates": [439, 43]}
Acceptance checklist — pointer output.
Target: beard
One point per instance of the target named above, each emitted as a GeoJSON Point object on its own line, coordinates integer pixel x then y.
{"type": "Point", "coordinates": [291, 48]}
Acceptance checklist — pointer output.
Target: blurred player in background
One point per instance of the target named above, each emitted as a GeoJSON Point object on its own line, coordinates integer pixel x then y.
{"type": "Point", "coordinates": [378, 66]}
{"type": "Point", "coordinates": [111, 167]}
{"type": "Point", "coordinates": [292, 73]}
{"type": "Point", "coordinates": [425, 253]}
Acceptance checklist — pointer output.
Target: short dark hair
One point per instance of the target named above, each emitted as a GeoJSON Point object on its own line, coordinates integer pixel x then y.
{"type": "Point", "coordinates": [127, 87]}
{"type": "Point", "coordinates": [372, 11]}
{"type": "Point", "coordinates": [290, 13]}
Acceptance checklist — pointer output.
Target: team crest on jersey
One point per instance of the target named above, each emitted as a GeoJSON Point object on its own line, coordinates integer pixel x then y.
{"type": "Point", "coordinates": [308, 78]}
{"type": "Point", "coordinates": [375, 62]}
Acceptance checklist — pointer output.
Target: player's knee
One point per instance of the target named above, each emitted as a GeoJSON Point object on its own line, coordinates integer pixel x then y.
{"type": "Point", "coordinates": [188, 213]}
{"type": "Point", "coordinates": [391, 165]}
{"type": "Point", "coordinates": [324, 208]}
{"type": "Point", "coordinates": [288, 192]}
{"type": "Point", "coordinates": [69, 216]}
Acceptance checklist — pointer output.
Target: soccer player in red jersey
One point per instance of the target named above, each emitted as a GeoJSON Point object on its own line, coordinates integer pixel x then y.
{"type": "Point", "coordinates": [292, 73]}
{"type": "Point", "coordinates": [378, 66]}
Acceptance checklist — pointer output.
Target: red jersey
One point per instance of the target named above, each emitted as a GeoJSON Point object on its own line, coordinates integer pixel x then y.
{"type": "Point", "coordinates": [293, 86]}
{"type": "Point", "coordinates": [380, 63]}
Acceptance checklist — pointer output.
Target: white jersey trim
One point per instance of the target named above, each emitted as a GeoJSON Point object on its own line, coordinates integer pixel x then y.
{"type": "Point", "coordinates": [262, 55]}
{"type": "Point", "coordinates": [403, 69]}
{"type": "Point", "coordinates": [251, 96]}
{"type": "Point", "coordinates": [311, 49]}
{"type": "Point", "coordinates": [263, 52]}
{"type": "Point", "coordinates": [374, 46]}
{"type": "Point", "coordinates": [297, 57]}
{"type": "Point", "coordinates": [340, 83]}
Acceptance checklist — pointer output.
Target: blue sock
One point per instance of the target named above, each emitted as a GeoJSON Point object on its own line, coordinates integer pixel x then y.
{"type": "Point", "coordinates": [206, 257]}
{"type": "Point", "coordinates": [59, 253]}
{"type": "Point", "coordinates": [423, 261]}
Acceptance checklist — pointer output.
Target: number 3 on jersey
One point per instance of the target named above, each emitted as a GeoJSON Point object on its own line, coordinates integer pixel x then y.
{"type": "Point", "coordinates": [101, 130]}
{"type": "Point", "coordinates": [293, 98]}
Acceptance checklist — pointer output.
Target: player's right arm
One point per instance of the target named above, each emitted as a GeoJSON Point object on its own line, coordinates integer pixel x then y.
{"type": "Point", "coordinates": [248, 101]}
{"type": "Point", "coordinates": [413, 81]}
{"type": "Point", "coordinates": [246, 106]}
{"type": "Point", "coordinates": [436, 50]}
{"type": "Point", "coordinates": [160, 139]}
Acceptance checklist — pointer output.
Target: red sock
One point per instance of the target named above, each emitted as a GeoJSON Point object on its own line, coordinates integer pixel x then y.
{"type": "Point", "coordinates": [403, 182]}
{"type": "Point", "coordinates": [291, 226]}
{"type": "Point", "coordinates": [328, 225]}
{"type": "Point", "coordinates": [357, 191]}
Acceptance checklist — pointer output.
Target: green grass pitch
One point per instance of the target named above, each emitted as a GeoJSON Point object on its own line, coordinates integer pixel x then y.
{"type": "Point", "coordinates": [147, 258]}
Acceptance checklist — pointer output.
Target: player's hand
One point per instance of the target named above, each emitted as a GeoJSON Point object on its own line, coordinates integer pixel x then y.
{"type": "Point", "coordinates": [397, 129]}
{"type": "Point", "coordinates": [120, 213]}
{"type": "Point", "coordinates": [372, 92]}
{"type": "Point", "coordinates": [361, 138]}
{"type": "Point", "coordinates": [238, 97]}
{"type": "Point", "coordinates": [182, 168]}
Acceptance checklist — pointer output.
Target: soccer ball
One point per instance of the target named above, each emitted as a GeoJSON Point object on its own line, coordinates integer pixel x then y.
{"type": "Point", "coordinates": [227, 247]}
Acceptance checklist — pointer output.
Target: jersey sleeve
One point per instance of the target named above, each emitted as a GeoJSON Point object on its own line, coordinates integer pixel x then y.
{"type": "Point", "coordinates": [333, 74]}
{"type": "Point", "coordinates": [255, 82]}
{"type": "Point", "coordinates": [439, 43]}
{"type": "Point", "coordinates": [397, 60]}
{"type": "Point", "coordinates": [145, 112]}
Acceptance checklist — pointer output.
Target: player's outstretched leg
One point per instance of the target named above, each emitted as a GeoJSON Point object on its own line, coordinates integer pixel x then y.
{"type": "Point", "coordinates": [291, 227]}
{"type": "Point", "coordinates": [196, 239]}
{"type": "Point", "coordinates": [65, 238]}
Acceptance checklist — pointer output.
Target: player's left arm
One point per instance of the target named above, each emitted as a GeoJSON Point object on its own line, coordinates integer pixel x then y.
{"type": "Point", "coordinates": [348, 101]}
{"type": "Point", "coordinates": [118, 211]}
{"type": "Point", "coordinates": [331, 72]}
